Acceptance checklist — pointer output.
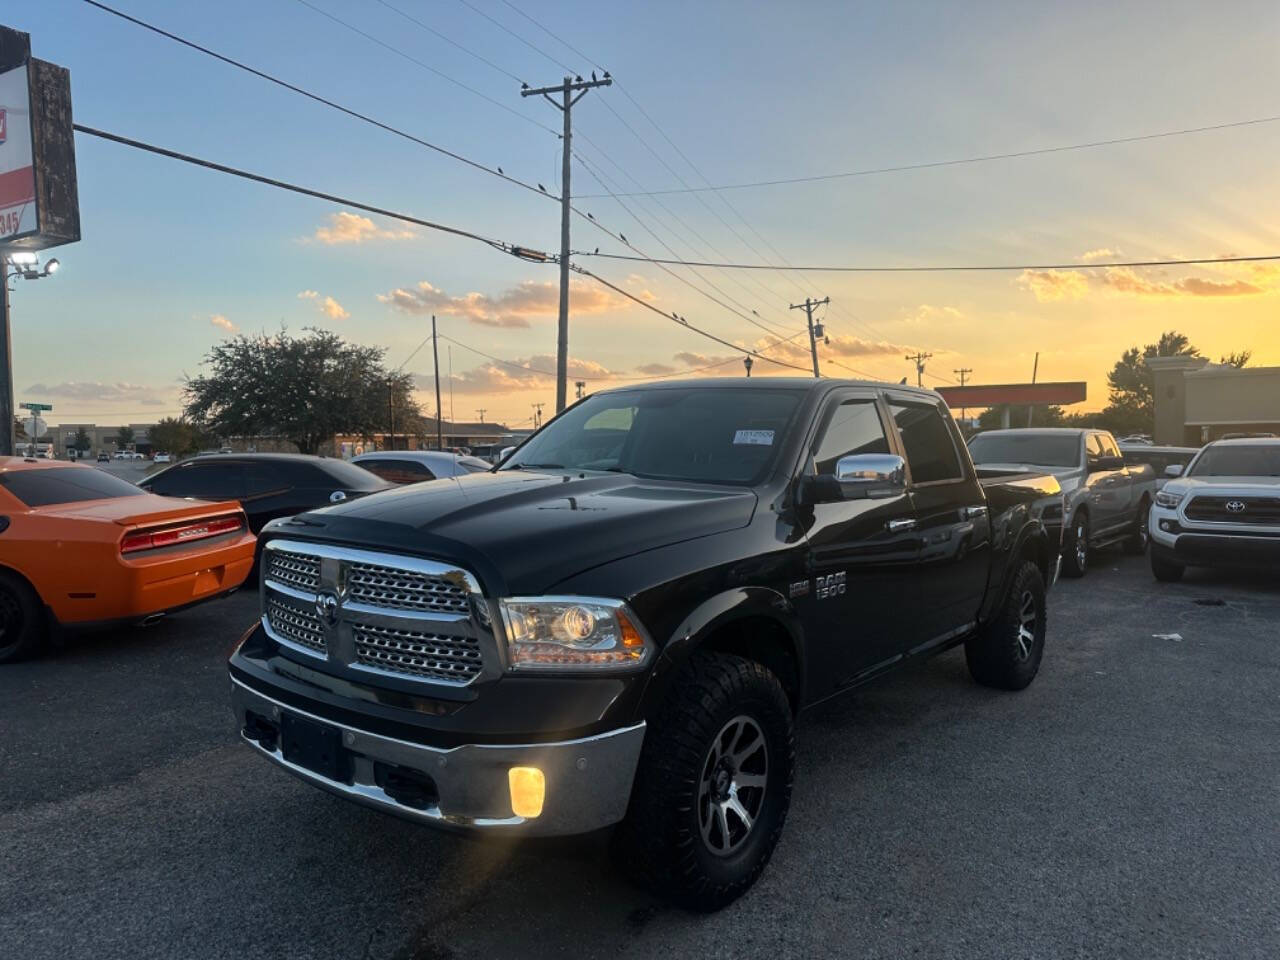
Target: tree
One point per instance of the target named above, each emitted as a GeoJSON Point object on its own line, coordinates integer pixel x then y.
{"type": "Point", "coordinates": [304, 389]}
{"type": "Point", "coordinates": [124, 437]}
{"type": "Point", "coordinates": [1237, 359]}
{"type": "Point", "coordinates": [1041, 416]}
{"type": "Point", "coordinates": [81, 441]}
{"type": "Point", "coordinates": [174, 435]}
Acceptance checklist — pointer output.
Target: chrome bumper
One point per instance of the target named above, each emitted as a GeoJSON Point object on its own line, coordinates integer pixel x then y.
{"type": "Point", "coordinates": [588, 781]}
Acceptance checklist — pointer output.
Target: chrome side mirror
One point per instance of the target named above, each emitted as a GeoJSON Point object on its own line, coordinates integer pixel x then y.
{"type": "Point", "coordinates": [865, 476]}
{"type": "Point", "coordinates": [337, 496]}
{"type": "Point", "coordinates": [1173, 470]}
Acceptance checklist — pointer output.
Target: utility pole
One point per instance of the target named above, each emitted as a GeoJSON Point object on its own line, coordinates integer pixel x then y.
{"type": "Point", "coordinates": [481, 410]}
{"type": "Point", "coordinates": [814, 332]}
{"type": "Point", "coordinates": [1035, 369]}
{"type": "Point", "coordinates": [963, 374]}
{"type": "Point", "coordinates": [581, 386]}
{"type": "Point", "coordinates": [435, 355]}
{"type": "Point", "coordinates": [565, 106]}
{"type": "Point", "coordinates": [919, 360]}
{"type": "Point", "coordinates": [537, 415]}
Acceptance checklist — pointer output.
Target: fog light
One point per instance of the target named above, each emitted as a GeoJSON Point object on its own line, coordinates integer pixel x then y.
{"type": "Point", "coordinates": [1169, 526]}
{"type": "Point", "coordinates": [528, 789]}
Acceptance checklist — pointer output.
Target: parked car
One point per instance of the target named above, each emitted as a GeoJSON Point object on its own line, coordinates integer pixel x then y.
{"type": "Point", "coordinates": [267, 485]}
{"type": "Point", "coordinates": [104, 457]}
{"type": "Point", "coordinates": [1107, 501]}
{"type": "Point", "coordinates": [162, 457]}
{"type": "Point", "coordinates": [1223, 510]}
{"type": "Point", "coordinates": [415, 466]}
{"type": "Point", "coordinates": [82, 547]}
{"type": "Point", "coordinates": [1157, 458]}
{"type": "Point", "coordinates": [621, 623]}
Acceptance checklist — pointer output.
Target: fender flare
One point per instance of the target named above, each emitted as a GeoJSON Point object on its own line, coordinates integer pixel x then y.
{"type": "Point", "coordinates": [711, 615]}
{"type": "Point", "coordinates": [1034, 528]}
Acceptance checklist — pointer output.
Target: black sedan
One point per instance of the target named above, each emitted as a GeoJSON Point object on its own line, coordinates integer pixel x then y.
{"type": "Point", "coordinates": [268, 485]}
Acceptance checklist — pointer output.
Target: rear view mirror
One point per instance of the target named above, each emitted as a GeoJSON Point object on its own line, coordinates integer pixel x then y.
{"type": "Point", "coordinates": [1173, 470]}
{"type": "Point", "coordinates": [868, 476]}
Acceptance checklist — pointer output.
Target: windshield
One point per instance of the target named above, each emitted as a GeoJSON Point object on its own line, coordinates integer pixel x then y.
{"type": "Point", "coordinates": [43, 488]}
{"type": "Point", "coordinates": [349, 476]}
{"type": "Point", "coordinates": [1040, 449]}
{"type": "Point", "coordinates": [1253, 460]}
{"type": "Point", "coordinates": [700, 434]}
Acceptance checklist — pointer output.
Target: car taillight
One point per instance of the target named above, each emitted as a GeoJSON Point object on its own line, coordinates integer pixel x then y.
{"type": "Point", "coordinates": [180, 533]}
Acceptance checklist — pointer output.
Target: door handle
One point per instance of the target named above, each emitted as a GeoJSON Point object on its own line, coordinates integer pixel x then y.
{"type": "Point", "coordinates": [897, 526]}
{"type": "Point", "coordinates": [971, 513]}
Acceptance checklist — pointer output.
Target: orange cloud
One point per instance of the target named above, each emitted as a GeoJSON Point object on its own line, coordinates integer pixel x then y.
{"type": "Point", "coordinates": [1055, 284]}
{"type": "Point", "coordinates": [351, 228]}
{"type": "Point", "coordinates": [1126, 280]}
{"type": "Point", "coordinates": [330, 307]}
{"type": "Point", "coordinates": [535, 372]}
{"type": "Point", "coordinates": [218, 320]}
{"type": "Point", "coordinates": [511, 308]}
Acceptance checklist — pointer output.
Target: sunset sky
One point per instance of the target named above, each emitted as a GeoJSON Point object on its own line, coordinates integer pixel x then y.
{"type": "Point", "coordinates": [174, 258]}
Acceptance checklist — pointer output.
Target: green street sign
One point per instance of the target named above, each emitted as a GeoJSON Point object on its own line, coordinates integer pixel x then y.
{"type": "Point", "coordinates": [36, 406]}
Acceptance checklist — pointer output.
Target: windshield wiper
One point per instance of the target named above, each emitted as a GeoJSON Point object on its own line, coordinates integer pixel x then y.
{"type": "Point", "coordinates": [537, 466]}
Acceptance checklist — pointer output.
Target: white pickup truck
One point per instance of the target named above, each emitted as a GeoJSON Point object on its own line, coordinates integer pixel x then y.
{"type": "Point", "coordinates": [1223, 510]}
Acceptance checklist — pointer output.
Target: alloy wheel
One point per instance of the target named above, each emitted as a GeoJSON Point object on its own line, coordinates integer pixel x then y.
{"type": "Point", "coordinates": [732, 787]}
{"type": "Point", "coordinates": [1082, 545]}
{"type": "Point", "coordinates": [11, 618]}
{"type": "Point", "coordinates": [1028, 620]}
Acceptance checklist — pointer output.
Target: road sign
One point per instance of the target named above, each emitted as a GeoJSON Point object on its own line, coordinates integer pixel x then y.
{"type": "Point", "coordinates": [36, 406]}
{"type": "Point", "coordinates": [35, 427]}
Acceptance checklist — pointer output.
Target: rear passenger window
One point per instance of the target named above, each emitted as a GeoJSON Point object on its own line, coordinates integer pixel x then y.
{"type": "Point", "coordinates": [931, 453]}
{"type": "Point", "coordinates": [854, 428]}
{"type": "Point", "coordinates": [398, 471]}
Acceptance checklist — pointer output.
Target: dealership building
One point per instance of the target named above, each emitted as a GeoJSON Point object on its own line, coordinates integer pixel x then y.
{"type": "Point", "coordinates": [1198, 401]}
{"type": "Point", "coordinates": [63, 438]}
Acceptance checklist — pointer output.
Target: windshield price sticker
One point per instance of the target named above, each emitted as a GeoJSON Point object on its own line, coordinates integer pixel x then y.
{"type": "Point", "coordinates": [758, 438]}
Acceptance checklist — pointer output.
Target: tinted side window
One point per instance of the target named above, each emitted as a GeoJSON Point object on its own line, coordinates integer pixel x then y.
{"type": "Point", "coordinates": [931, 453]}
{"type": "Point", "coordinates": [398, 471]}
{"type": "Point", "coordinates": [1092, 447]}
{"type": "Point", "coordinates": [209, 481]}
{"type": "Point", "coordinates": [854, 428]}
{"type": "Point", "coordinates": [262, 478]}
{"type": "Point", "coordinates": [1109, 448]}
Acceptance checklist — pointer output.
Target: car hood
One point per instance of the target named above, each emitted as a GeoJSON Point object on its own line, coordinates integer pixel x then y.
{"type": "Point", "coordinates": [521, 531]}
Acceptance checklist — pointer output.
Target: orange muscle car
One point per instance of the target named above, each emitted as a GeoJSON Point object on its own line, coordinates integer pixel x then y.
{"type": "Point", "coordinates": [79, 546]}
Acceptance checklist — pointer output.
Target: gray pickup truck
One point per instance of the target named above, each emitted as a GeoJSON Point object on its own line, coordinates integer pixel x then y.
{"type": "Point", "coordinates": [1107, 500]}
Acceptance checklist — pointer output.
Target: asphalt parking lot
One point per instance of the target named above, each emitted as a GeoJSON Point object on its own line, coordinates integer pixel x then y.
{"type": "Point", "coordinates": [1126, 805]}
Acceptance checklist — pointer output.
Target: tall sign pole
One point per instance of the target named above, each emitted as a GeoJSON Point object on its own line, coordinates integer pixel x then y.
{"type": "Point", "coordinates": [435, 354]}
{"type": "Point", "coordinates": [7, 440]}
{"type": "Point", "coordinates": [565, 106]}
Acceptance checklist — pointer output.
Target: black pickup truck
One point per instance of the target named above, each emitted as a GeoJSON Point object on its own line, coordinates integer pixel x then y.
{"type": "Point", "coordinates": [619, 624]}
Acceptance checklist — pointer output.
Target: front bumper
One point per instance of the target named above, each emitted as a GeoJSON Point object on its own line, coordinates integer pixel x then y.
{"type": "Point", "coordinates": [1217, 545]}
{"type": "Point", "coordinates": [588, 781]}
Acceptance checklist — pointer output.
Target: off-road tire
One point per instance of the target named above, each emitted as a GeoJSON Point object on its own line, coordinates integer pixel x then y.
{"type": "Point", "coordinates": [1166, 571]}
{"type": "Point", "coordinates": [1075, 561]}
{"type": "Point", "coordinates": [1136, 543]}
{"type": "Point", "coordinates": [660, 844]}
{"type": "Point", "coordinates": [1001, 654]}
{"type": "Point", "coordinates": [22, 624]}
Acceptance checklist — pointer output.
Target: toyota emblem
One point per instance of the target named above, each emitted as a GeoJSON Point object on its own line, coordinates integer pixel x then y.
{"type": "Point", "coordinates": [327, 608]}
{"type": "Point", "coordinates": [1236, 506]}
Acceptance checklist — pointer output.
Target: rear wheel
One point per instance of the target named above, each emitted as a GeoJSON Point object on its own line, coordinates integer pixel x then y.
{"type": "Point", "coordinates": [713, 784]}
{"type": "Point", "coordinates": [21, 619]}
{"type": "Point", "coordinates": [1075, 550]}
{"type": "Point", "coordinates": [1006, 652]}
{"type": "Point", "coordinates": [1136, 543]}
{"type": "Point", "coordinates": [1166, 571]}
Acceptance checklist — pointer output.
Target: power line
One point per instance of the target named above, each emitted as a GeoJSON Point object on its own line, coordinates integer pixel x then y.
{"type": "Point", "coordinates": [946, 268]}
{"type": "Point", "coordinates": [960, 161]}
{"type": "Point", "coordinates": [425, 66]}
{"type": "Point", "coordinates": [505, 29]}
{"type": "Point", "coordinates": [449, 40]}
{"type": "Point", "coordinates": [292, 187]}
{"type": "Point", "coordinates": [294, 88]}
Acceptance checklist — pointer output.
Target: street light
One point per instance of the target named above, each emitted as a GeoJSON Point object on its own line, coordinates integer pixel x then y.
{"type": "Point", "coordinates": [24, 264]}
{"type": "Point", "coordinates": [27, 266]}
{"type": "Point", "coordinates": [747, 362]}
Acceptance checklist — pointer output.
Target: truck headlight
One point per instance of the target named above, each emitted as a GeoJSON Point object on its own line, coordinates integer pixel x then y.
{"type": "Point", "coordinates": [1169, 501]}
{"type": "Point", "coordinates": [572, 633]}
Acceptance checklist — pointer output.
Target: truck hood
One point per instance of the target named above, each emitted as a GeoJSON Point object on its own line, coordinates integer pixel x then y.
{"type": "Point", "coordinates": [521, 531]}
{"type": "Point", "coordinates": [1068, 477]}
{"type": "Point", "coordinates": [1224, 486]}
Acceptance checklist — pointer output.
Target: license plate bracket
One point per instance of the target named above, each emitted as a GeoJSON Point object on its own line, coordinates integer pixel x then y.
{"type": "Point", "coordinates": [315, 746]}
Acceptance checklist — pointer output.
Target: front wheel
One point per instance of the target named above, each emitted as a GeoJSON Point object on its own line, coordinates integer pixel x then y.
{"type": "Point", "coordinates": [1075, 548]}
{"type": "Point", "coordinates": [1166, 571]}
{"type": "Point", "coordinates": [21, 619]}
{"type": "Point", "coordinates": [713, 784]}
{"type": "Point", "coordinates": [1006, 652]}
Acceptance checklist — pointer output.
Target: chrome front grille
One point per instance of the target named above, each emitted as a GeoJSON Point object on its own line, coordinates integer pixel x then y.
{"type": "Point", "coordinates": [302, 628]}
{"type": "Point", "coordinates": [429, 655]}
{"type": "Point", "coordinates": [359, 612]}
{"type": "Point", "coordinates": [295, 569]}
{"type": "Point", "coordinates": [400, 589]}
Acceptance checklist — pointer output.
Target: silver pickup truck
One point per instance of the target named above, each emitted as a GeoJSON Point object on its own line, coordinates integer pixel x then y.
{"type": "Point", "coordinates": [1107, 501]}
